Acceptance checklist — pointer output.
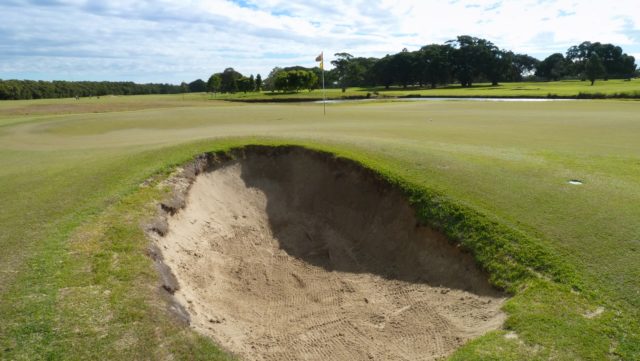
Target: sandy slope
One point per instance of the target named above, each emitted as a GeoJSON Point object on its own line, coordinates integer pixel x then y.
{"type": "Point", "coordinates": [296, 257]}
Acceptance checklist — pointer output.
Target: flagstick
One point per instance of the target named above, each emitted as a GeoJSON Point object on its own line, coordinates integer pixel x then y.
{"type": "Point", "coordinates": [320, 58]}
{"type": "Point", "coordinates": [324, 93]}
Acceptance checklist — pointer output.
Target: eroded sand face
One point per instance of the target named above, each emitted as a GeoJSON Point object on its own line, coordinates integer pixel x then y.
{"type": "Point", "coordinates": [293, 257]}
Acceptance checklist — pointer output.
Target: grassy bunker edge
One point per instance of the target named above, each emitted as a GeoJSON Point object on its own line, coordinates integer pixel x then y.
{"type": "Point", "coordinates": [515, 262]}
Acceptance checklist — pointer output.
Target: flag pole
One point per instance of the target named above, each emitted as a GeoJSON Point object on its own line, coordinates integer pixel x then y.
{"type": "Point", "coordinates": [324, 92]}
{"type": "Point", "coordinates": [320, 58]}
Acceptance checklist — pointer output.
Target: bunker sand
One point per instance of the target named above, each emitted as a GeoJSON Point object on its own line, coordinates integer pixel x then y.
{"type": "Point", "coordinates": [295, 255]}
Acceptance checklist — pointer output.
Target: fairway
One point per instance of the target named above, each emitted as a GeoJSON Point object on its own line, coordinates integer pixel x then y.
{"type": "Point", "coordinates": [79, 183]}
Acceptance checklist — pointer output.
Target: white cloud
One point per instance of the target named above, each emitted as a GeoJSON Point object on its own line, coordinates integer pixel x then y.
{"type": "Point", "coordinates": [171, 41]}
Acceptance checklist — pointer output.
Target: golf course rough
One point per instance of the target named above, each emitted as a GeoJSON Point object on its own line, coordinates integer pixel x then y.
{"type": "Point", "coordinates": [287, 253]}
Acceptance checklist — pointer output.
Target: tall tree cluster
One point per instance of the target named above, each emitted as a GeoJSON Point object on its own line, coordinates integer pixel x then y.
{"type": "Point", "coordinates": [293, 78]}
{"type": "Point", "coordinates": [467, 60]}
{"type": "Point", "coordinates": [352, 71]}
{"type": "Point", "coordinates": [616, 63]}
{"type": "Point", "coordinates": [464, 60]}
{"type": "Point", "coordinates": [589, 61]}
{"type": "Point", "coordinates": [30, 89]}
{"type": "Point", "coordinates": [232, 81]}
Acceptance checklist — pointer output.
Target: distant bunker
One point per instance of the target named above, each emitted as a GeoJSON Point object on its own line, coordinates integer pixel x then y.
{"type": "Point", "coordinates": [283, 253]}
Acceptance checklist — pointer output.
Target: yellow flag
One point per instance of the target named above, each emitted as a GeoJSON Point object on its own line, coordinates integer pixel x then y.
{"type": "Point", "coordinates": [320, 58]}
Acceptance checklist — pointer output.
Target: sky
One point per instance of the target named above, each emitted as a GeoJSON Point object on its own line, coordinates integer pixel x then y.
{"type": "Point", "coordinates": [183, 40]}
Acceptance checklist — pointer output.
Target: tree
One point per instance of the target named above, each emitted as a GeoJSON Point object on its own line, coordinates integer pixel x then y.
{"type": "Point", "coordinates": [351, 71]}
{"type": "Point", "coordinates": [577, 57]}
{"type": "Point", "coordinates": [252, 83]}
{"type": "Point", "coordinates": [243, 84]}
{"type": "Point", "coordinates": [594, 68]}
{"type": "Point", "coordinates": [365, 76]}
{"type": "Point", "coordinates": [522, 65]}
{"type": "Point", "coordinates": [281, 81]}
{"type": "Point", "coordinates": [404, 66]}
{"type": "Point", "coordinates": [382, 72]}
{"type": "Point", "coordinates": [229, 80]}
{"type": "Point", "coordinates": [616, 63]}
{"type": "Point", "coordinates": [472, 57]}
{"type": "Point", "coordinates": [496, 64]}
{"type": "Point", "coordinates": [197, 86]}
{"type": "Point", "coordinates": [29, 89]}
{"type": "Point", "coordinates": [341, 65]}
{"type": "Point", "coordinates": [629, 66]}
{"type": "Point", "coordinates": [310, 80]}
{"type": "Point", "coordinates": [295, 80]}
{"type": "Point", "coordinates": [258, 82]}
{"type": "Point", "coordinates": [184, 87]}
{"type": "Point", "coordinates": [435, 63]}
{"type": "Point", "coordinates": [269, 82]}
{"type": "Point", "coordinates": [553, 67]}
{"type": "Point", "coordinates": [215, 80]}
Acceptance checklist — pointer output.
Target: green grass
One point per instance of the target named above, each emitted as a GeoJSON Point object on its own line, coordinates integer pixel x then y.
{"type": "Point", "coordinates": [567, 89]}
{"type": "Point", "coordinates": [75, 281]}
{"type": "Point", "coordinates": [10, 110]}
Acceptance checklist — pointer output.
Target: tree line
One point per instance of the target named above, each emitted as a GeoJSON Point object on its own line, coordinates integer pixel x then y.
{"type": "Point", "coordinates": [465, 60]}
{"type": "Point", "coordinates": [288, 79]}
{"type": "Point", "coordinates": [30, 89]}
{"type": "Point", "coordinates": [232, 81]}
{"type": "Point", "coordinates": [589, 61]}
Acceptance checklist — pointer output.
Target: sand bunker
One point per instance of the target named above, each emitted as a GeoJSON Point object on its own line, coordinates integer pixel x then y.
{"type": "Point", "coordinates": [288, 254]}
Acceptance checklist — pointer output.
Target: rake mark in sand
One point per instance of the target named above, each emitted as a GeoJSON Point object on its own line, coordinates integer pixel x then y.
{"type": "Point", "coordinates": [285, 253]}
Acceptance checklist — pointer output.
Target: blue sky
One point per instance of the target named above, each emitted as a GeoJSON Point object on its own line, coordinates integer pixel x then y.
{"type": "Point", "coordinates": [174, 41]}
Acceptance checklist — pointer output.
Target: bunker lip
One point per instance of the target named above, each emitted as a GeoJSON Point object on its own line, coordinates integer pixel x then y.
{"type": "Point", "coordinates": [288, 253]}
